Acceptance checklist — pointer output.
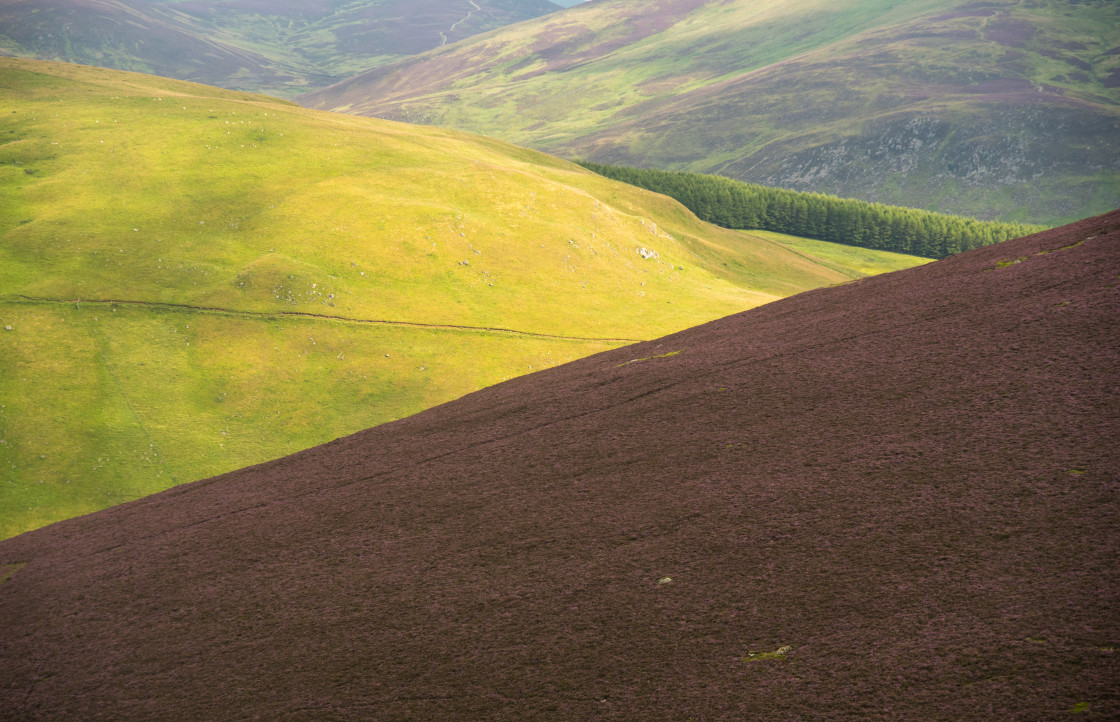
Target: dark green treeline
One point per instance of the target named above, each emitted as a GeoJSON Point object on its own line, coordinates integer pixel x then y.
{"type": "Point", "coordinates": [735, 204]}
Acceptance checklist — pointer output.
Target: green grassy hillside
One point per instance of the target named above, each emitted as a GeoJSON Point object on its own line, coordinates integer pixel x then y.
{"type": "Point", "coordinates": [1001, 109]}
{"type": "Point", "coordinates": [281, 47]}
{"type": "Point", "coordinates": [193, 280]}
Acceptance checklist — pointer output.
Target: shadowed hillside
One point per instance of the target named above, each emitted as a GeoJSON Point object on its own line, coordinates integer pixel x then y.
{"type": "Point", "coordinates": [994, 109]}
{"type": "Point", "coordinates": [893, 499]}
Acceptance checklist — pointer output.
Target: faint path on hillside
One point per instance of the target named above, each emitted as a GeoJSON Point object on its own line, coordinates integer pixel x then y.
{"type": "Point", "coordinates": [443, 36]}
{"type": "Point", "coordinates": [78, 302]}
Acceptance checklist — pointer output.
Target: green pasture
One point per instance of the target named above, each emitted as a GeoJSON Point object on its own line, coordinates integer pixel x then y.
{"type": "Point", "coordinates": [100, 404]}
{"type": "Point", "coordinates": [850, 260]}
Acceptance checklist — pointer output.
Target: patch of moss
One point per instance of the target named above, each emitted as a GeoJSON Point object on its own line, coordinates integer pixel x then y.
{"type": "Point", "coordinates": [7, 570]}
{"type": "Point", "coordinates": [1064, 248]}
{"type": "Point", "coordinates": [648, 358]}
{"type": "Point", "coordinates": [779, 653]}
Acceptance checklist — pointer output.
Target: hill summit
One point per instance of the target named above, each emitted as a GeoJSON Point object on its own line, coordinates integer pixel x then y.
{"type": "Point", "coordinates": [895, 498]}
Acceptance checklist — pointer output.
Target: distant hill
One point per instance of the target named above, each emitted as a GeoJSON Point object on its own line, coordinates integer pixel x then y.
{"type": "Point", "coordinates": [198, 279]}
{"type": "Point", "coordinates": [994, 109]}
{"type": "Point", "coordinates": [893, 499]}
{"type": "Point", "coordinates": [280, 46]}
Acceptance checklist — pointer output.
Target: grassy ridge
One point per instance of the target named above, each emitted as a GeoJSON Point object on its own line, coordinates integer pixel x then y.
{"type": "Point", "coordinates": [198, 279]}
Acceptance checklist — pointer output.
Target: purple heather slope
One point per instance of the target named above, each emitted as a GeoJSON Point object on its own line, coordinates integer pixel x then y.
{"type": "Point", "coordinates": [910, 482]}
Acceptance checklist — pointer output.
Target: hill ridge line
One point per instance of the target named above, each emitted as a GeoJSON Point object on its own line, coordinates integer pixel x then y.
{"type": "Point", "coordinates": [20, 298]}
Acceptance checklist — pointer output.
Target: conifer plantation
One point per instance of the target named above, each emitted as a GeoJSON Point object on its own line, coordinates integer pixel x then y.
{"type": "Point", "coordinates": [749, 206]}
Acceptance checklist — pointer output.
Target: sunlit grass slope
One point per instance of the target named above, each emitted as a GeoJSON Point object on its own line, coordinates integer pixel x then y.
{"type": "Point", "coordinates": [852, 261]}
{"type": "Point", "coordinates": [193, 279]}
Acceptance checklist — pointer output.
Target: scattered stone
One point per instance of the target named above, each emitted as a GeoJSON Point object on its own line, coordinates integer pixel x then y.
{"type": "Point", "coordinates": [646, 253]}
{"type": "Point", "coordinates": [665, 580]}
{"type": "Point", "coordinates": [7, 328]}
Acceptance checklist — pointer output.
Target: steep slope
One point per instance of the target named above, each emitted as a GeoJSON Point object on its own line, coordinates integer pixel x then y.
{"type": "Point", "coordinates": [196, 280]}
{"type": "Point", "coordinates": [894, 499]}
{"type": "Point", "coordinates": [994, 109]}
{"type": "Point", "coordinates": [281, 47]}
